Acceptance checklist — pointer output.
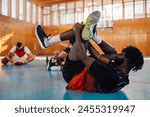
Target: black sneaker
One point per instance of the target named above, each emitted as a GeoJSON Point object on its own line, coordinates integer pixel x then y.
{"type": "Point", "coordinates": [48, 66]}
{"type": "Point", "coordinates": [90, 25]}
{"type": "Point", "coordinates": [47, 60]}
{"type": "Point", "coordinates": [41, 36]}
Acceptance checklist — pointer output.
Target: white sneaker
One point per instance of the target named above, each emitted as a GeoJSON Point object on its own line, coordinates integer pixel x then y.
{"type": "Point", "coordinates": [91, 23]}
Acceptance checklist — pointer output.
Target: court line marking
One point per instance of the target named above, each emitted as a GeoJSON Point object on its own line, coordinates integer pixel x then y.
{"type": "Point", "coordinates": [141, 82]}
{"type": "Point", "coordinates": [53, 82]}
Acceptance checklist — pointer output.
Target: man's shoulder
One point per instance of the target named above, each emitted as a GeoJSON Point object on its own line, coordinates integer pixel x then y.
{"type": "Point", "coordinates": [13, 49]}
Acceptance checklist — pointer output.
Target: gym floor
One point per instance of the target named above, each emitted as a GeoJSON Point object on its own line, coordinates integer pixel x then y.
{"type": "Point", "coordinates": [34, 82]}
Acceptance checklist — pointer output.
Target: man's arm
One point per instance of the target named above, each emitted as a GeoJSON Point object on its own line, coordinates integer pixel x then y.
{"type": "Point", "coordinates": [30, 57]}
{"type": "Point", "coordinates": [87, 61]}
{"type": "Point", "coordinates": [9, 57]}
{"type": "Point", "coordinates": [94, 53]}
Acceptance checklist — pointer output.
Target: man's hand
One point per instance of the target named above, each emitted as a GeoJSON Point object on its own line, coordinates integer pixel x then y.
{"type": "Point", "coordinates": [24, 61]}
{"type": "Point", "coordinates": [77, 27]}
{"type": "Point", "coordinates": [12, 61]}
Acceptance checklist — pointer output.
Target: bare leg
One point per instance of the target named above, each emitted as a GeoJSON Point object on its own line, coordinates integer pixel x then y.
{"type": "Point", "coordinates": [107, 48]}
{"type": "Point", "coordinates": [31, 58]}
{"type": "Point", "coordinates": [73, 54]}
{"type": "Point", "coordinates": [68, 35]}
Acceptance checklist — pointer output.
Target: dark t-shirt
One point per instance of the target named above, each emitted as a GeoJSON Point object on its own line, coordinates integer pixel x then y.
{"type": "Point", "coordinates": [108, 78]}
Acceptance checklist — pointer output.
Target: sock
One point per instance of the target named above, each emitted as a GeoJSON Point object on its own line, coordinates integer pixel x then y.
{"type": "Point", "coordinates": [97, 38]}
{"type": "Point", "coordinates": [52, 39]}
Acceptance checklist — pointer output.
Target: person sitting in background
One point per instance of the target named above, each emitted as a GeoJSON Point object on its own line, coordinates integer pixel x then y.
{"type": "Point", "coordinates": [18, 55]}
{"type": "Point", "coordinates": [55, 62]}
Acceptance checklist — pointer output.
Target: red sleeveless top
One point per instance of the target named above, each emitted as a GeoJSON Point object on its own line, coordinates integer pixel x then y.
{"type": "Point", "coordinates": [20, 53]}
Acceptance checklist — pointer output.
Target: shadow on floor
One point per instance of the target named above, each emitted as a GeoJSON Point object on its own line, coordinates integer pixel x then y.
{"type": "Point", "coordinates": [78, 95]}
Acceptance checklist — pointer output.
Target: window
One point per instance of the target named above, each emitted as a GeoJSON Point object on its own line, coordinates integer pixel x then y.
{"type": "Point", "coordinates": [13, 8]}
{"type": "Point", "coordinates": [97, 5]}
{"type": "Point", "coordinates": [79, 11]}
{"type": "Point", "coordinates": [28, 11]}
{"type": "Point", "coordinates": [5, 7]}
{"type": "Point", "coordinates": [139, 9]}
{"type": "Point", "coordinates": [107, 10]}
{"type": "Point", "coordinates": [63, 17]}
{"type": "Point", "coordinates": [46, 16]}
{"type": "Point", "coordinates": [87, 8]}
{"type": "Point", "coordinates": [39, 15]}
{"type": "Point", "coordinates": [117, 10]}
{"type": "Point", "coordinates": [70, 13]}
{"type": "Point", "coordinates": [21, 9]}
{"type": "Point", "coordinates": [128, 9]}
{"type": "Point", "coordinates": [55, 14]}
{"type": "Point", "coordinates": [34, 14]}
{"type": "Point", "coordinates": [148, 8]}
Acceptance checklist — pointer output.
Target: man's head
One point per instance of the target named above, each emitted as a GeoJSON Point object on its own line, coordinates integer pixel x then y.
{"type": "Point", "coordinates": [19, 46]}
{"type": "Point", "coordinates": [134, 58]}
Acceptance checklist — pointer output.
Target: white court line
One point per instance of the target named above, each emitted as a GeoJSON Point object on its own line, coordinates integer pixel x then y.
{"type": "Point", "coordinates": [146, 58]}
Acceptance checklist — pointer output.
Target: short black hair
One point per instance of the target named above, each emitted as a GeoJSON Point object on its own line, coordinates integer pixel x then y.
{"type": "Point", "coordinates": [134, 57]}
{"type": "Point", "coordinates": [19, 44]}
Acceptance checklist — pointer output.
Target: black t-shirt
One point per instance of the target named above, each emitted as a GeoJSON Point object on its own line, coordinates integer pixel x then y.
{"type": "Point", "coordinates": [108, 78]}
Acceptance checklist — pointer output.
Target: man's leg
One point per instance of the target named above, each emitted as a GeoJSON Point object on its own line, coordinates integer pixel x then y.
{"type": "Point", "coordinates": [106, 47]}
{"type": "Point", "coordinates": [73, 64]}
{"type": "Point", "coordinates": [31, 58]}
{"type": "Point", "coordinates": [73, 54]}
{"type": "Point", "coordinates": [46, 40]}
{"type": "Point", "coordinates": [87, 32]}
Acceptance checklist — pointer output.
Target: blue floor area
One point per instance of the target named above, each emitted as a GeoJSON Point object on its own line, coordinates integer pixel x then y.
{"type": "Point", "coordinates": [34, 82]}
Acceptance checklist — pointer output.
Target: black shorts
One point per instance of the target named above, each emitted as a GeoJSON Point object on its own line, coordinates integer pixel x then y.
{"type": "Point", "coordinates": [71, 68]}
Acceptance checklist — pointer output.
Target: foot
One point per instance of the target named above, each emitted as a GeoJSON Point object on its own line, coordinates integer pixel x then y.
{"type": "Point", "coordinates": [90, 25]}
{"type": "Point", "coordinates": [41, 36]}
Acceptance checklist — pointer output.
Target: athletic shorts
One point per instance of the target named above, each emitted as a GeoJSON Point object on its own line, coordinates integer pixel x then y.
{"type": "Point", "coordinates": [72, 68]}
{"type": "Point", "coordinates": [106, 77]}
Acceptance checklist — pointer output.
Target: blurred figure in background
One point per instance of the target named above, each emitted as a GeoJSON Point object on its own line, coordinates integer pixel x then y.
{"type": "Point", "coordinates": [18, 55]}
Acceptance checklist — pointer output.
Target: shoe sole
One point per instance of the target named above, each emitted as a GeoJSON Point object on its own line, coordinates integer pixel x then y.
{"type": "Point", "coordinates": [91, 21]}
{"type": "Point", "coordinates": [39, 40]}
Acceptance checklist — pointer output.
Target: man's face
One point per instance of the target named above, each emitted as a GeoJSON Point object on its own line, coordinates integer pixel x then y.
{"type": "Point", "coordinates": [20, 48]}
{"type": "Point", "coordinates": [120, 58]}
